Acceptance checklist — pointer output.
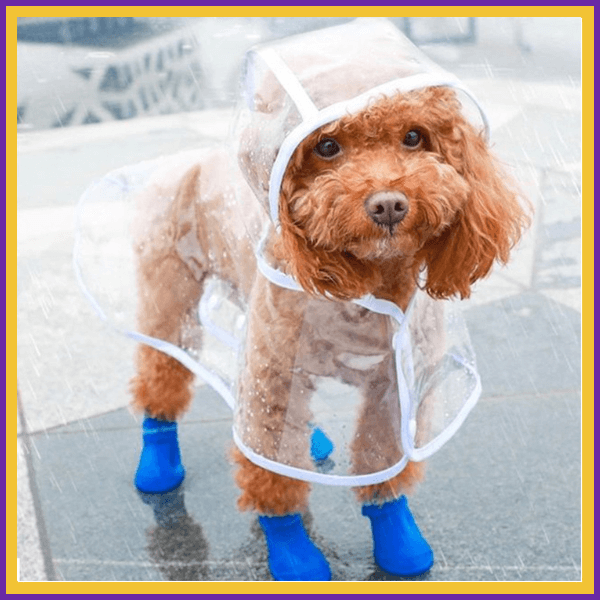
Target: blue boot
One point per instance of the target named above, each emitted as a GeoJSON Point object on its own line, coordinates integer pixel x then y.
{"type": "Point", "coordinates": [398, 545]}
{"type": "Point", "coordinates": [320, 445]}
{"type": "Point", "coordinates": [160, 469]}
{"type": "Point", "coordinates": [292, 555]}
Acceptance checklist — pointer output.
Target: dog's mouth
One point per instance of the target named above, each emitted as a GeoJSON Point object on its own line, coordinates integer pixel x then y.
{"type": "Point", "coordinates": [390, 243]}
{"type": "Point", "coordinates": [389, 229]}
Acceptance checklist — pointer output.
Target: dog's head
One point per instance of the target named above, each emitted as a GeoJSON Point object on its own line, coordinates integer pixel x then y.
{"type": "Point", "coordinates": [407, 180]}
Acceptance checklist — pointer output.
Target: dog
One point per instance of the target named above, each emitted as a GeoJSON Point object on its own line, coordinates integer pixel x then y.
{"type": "Point", "coordinates": [402, 196]}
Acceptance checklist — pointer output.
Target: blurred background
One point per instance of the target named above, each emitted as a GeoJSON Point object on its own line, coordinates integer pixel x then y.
{"type": "Point", "coordinates": [501, 501]}
{"type": "Point", "coordinates": [88, 70]}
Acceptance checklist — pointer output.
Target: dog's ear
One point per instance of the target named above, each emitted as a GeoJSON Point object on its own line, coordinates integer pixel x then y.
{"type": "Point", "coordinates": [321, 271]}
{"type": "Point", "coordinates": [486, 228]}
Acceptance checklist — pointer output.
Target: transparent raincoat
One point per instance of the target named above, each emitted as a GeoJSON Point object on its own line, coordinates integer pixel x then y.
{"type": "Point", "coordinates": [385, 386]}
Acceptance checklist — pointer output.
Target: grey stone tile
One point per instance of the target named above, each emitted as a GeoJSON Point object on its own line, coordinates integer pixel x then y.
{"type": "Point", "coordinates": [527, 343]}
{"type": "Point", "coordinates": [505, 492]}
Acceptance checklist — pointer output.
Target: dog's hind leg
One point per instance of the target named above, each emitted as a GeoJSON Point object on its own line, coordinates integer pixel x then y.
{"type": "Point", "coordinates": [168, 294]}
{"type": "Point", "coordinates": [162, 388]}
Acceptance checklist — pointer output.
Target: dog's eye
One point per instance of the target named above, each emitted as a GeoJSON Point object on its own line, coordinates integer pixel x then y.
{"type": "Point", "coordinates": [327, 148]}
{"type": "Point", "coordinates": [413, 138]}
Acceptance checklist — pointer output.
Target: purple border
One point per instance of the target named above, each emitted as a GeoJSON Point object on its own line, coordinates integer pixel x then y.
{"type": "Point", "coordinates": [595, 334]}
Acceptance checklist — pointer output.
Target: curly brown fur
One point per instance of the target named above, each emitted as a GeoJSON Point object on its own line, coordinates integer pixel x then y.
{"type": "Point", "coordinates": [403, 483]}
{"type": "Point", "coordinates": [162, 387]}
{"type": "Point", "coordinates": [267, 492]}
{"type": "Point", "coordinates": [461, 216]}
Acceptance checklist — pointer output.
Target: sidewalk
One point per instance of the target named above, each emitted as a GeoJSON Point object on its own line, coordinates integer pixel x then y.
{"type": "Point", "coordinates": [501, 501]}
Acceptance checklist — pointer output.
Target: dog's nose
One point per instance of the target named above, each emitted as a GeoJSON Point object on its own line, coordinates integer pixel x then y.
{"type": "Point", "coordinates": [387, 208]}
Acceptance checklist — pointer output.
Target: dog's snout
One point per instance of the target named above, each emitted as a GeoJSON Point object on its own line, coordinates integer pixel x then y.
{"type": "Point", "coordinates": [387, 208]}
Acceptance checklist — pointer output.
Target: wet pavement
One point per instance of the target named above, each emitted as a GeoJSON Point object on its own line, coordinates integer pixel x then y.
{"type": "Point", "coordinates": [502, 500]}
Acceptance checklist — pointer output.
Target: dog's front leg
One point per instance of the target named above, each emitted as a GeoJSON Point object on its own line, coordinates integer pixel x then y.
{"type": "Point", "coordinates": [276, 427]}
{"type": "Point", "coordinates": [266, 421]}
{"type": "Point", "coordinates": [398, 545]}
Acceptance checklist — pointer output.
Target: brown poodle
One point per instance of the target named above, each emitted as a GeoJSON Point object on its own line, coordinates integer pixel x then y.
{"type": "Point", "coordinates": [405, 191]}
{"type": "Point", "coordinates": [367, 204]}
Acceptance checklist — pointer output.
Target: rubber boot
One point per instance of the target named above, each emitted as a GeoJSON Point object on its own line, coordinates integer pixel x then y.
{"type": "Point", "coordinates": [292, 555]}
{"type": "Point", "coordinates": [160, 469]}
{"type": "Point", "coordinates": [320, 445]}
{"type": "Point", "coordinates": [398, 546]}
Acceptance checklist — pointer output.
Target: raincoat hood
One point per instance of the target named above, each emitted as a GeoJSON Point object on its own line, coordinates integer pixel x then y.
{"type": "Point", "coordinates": [293, 86]}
